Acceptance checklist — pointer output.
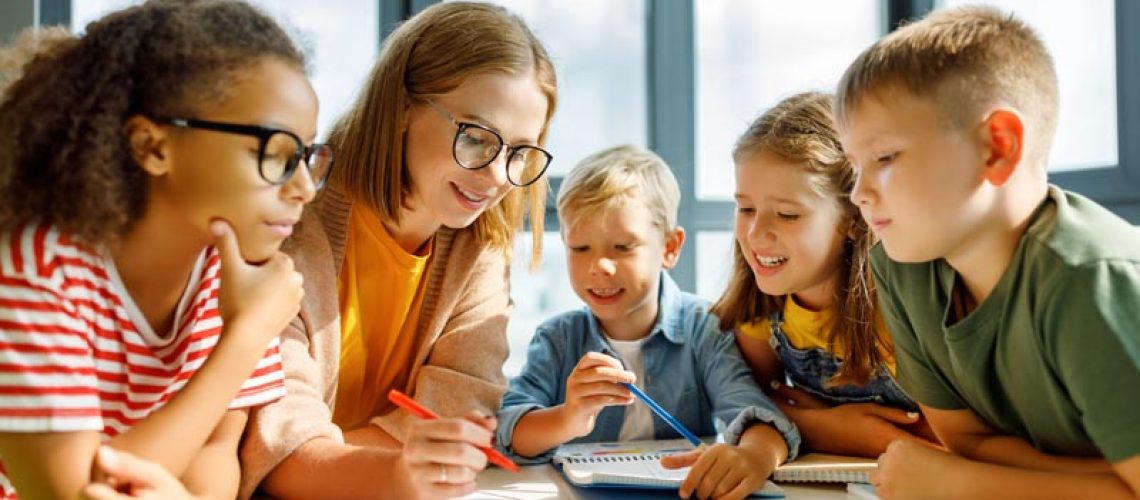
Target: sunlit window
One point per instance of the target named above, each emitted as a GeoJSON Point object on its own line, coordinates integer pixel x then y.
{"type": "Point", "coordinates": [340, 39]}
{"type": "Point", "coordinates": [751, 54]}
{"type": "Point", "coordinates": [1081, 36]}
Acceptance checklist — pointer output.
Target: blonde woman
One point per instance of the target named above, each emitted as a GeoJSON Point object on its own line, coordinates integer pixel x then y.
{"type": "Point", "coordinates": [439, 163]}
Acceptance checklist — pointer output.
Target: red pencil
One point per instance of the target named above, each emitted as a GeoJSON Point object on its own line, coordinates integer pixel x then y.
{"type": "Point", "coordinates": [403, 401]}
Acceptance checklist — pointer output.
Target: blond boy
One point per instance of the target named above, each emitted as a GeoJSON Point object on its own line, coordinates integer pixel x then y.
{"type": "Point", "coordinates": [1014, 305]}
{"type": "Point", "coordinates": [618, 211]}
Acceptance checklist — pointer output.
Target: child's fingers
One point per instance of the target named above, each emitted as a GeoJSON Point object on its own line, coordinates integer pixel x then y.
{"type": "Point", "coordinates": [614, 374]}
{"type": "Point", "coordinates": [606, 374]}
{"type": "Point", "coordinates": [731, 481]}
{"type": "Point", "coordinates": [716, 473]}
{"type": "Point", "coordinates": [605, 388]}
{"type": "Point", "coordinates": [100, 491]}
{"type": "Point", "coordinates": [891, 433]}
{"type": "Point", "coordinates": [597, 359]}
{"type": "Point", "coordinates": [894, 414]}
{"type": "Point", "coordinates": [682, 460]}
{"type": "Point", "coordinates": [226, 242]}
{"type": "Point", "coordinates": [697, 474]}
{"type": "Point", "coordinates": [599, 402]}
{"type": "Point", "coordinates": [126, 468]}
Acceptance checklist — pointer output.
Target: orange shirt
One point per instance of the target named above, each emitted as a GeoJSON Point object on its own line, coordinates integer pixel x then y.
{"type": "Point", "coordinates": [381, 288]}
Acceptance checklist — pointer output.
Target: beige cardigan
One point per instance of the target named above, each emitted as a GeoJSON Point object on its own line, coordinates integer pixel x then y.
{"type": "Point", "coordinates": [461, 331]}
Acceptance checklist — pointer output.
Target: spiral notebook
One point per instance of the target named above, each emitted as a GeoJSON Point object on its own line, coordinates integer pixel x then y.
{"type": "Point", "coordinates": [634, 464]}
{"type": "Point", "coordinates": [824, 468]}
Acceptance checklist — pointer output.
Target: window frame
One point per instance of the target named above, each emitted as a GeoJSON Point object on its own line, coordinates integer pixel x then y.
{"type": "Point", "coordinates": [671, 109]}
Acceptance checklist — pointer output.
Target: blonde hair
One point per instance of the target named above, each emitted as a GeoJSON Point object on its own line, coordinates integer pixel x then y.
{"type": "Point", "coordinates": [963, 59]}
{"type": "Point", "coordinates": [615, 176]}
{"type": "Point", "coordinates": [434, 53]}
{"type": "Point", "coordinates": [801, 130]}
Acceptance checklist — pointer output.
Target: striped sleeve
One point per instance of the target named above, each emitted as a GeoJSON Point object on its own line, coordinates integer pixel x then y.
{"type": "Point", "coordinates": [47, 374]}
{"type": "Point", "coordinates": [267, 382]}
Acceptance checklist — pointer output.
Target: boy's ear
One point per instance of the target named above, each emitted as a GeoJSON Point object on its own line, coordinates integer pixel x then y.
{"type": "Point", "coordinates": [148, 143]}
{"type": "Point", "coordinates": [1005, 133]}
{"type": "Point", "coordinates": [673, 244]}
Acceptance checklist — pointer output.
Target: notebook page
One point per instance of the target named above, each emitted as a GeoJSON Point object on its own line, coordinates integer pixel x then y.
{"type": "Point", "coordinates": [629, 469]}
{"type": "Point", "coordinates": [821, 467]}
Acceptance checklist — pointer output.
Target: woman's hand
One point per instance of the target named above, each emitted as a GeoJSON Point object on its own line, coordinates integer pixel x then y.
{"type": "Point", "coordinates": [442, 457]}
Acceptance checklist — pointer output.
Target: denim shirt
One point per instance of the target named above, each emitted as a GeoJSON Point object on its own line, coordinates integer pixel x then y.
{"type": "Point", "coordinates": [692, 369]}
{"type": "Point", "coordinates": [811, 369]}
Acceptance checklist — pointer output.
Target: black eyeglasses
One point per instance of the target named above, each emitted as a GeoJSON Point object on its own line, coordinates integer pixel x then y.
{"type": "Point", "coordinates": [279, 152]}
{"type": "Point", "coordinates": [476, 146]}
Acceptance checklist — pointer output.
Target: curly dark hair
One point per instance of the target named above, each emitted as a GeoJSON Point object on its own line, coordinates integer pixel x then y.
{"type": "Point", "coordinates": [64, 157]}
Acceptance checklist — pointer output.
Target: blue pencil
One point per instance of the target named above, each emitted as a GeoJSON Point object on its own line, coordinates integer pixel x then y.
{"type": "Point", "coordinates": [663, 414]}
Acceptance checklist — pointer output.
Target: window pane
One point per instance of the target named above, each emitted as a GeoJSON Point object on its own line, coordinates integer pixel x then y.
{"type": "Point", "coordinates": [598, 48]}
{"type": "Point", "coordinates": [752, 54]}
{"type": "Point", "coordinates": [714, 262]}
{"type": "Point", "coordinates": [1081, 36]}
{"type": "Point", "coordinates": [340, 39]}
{"type": "Point", "coordinates": [537, 296]}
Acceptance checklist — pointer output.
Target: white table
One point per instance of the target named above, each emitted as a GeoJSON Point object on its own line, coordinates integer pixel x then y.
{"type": "Point", "coordinates": [537, 482]}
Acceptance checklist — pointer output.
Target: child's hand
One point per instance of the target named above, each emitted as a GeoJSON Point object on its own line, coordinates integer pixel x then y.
{"type": "Point", "coordinates": [441, 457]}
{"type": "Point", "coordinates": [593, 385]}
{"type": "Point", "coordinates": [911, 469]}
{"type": "Point", "coordinates": [862, 429]}
{"type": "Point", "coordinates": [721, 471]}
{"type": "Point", "coordinates": [263, 298]}
{"type": "Point", "coordinates": [127, 476]}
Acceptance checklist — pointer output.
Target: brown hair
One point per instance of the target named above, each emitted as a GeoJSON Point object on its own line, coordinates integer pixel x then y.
{"type": "Point", "coordinates": [433, 53]}
{"type": "Point", "coordinates": [617, 175]}
{"type": "Point", "coordinates": [801, 130]}
{"type": "Point", "coordinates": [964, 59]}
{"type": "Point", "coordinates": [64, 157]}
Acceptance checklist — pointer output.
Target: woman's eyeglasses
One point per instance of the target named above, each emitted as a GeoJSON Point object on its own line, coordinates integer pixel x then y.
{"type": "Point", "coordinates": [476, 146]}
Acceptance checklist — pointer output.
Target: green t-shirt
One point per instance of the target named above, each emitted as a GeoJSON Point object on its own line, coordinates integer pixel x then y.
{"type": "Point", "coordinates": [1052, 355]}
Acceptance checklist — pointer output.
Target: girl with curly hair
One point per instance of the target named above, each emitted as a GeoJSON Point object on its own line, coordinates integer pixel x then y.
{"type": "Point", "coordinates": [149, 172]}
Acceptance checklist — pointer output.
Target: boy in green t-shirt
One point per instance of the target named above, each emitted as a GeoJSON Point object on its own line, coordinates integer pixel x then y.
{"type": "Point", "coordinates": [1014, 305]}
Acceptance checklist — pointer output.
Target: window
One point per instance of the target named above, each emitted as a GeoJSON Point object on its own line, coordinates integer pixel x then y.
{"type": "Point", "coordinates": [714, 262]}
{"type": "Point", "coordinates": [598, 49]}
{"type": "Point", "coordinates": [340, 58]}
{"type": "Point", "coordinates": [752, 54]}
{"type": "Point", "coordinates": [1082, 39]}
{"type": "Point", "coordinates": [538, 296]}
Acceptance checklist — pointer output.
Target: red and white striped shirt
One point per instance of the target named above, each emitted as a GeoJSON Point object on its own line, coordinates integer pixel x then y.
{"type": "Point", "coordinates": [77, 355]}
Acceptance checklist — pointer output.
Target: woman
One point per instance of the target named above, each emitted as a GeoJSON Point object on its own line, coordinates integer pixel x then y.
{"type": "Point", "coordinates": [438, 164]}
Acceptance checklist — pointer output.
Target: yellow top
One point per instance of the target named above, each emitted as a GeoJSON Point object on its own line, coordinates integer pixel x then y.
{"type": "Point", "coordinates": [381, 288]}
{"type": "Point", "coordinates": [807, 329]}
